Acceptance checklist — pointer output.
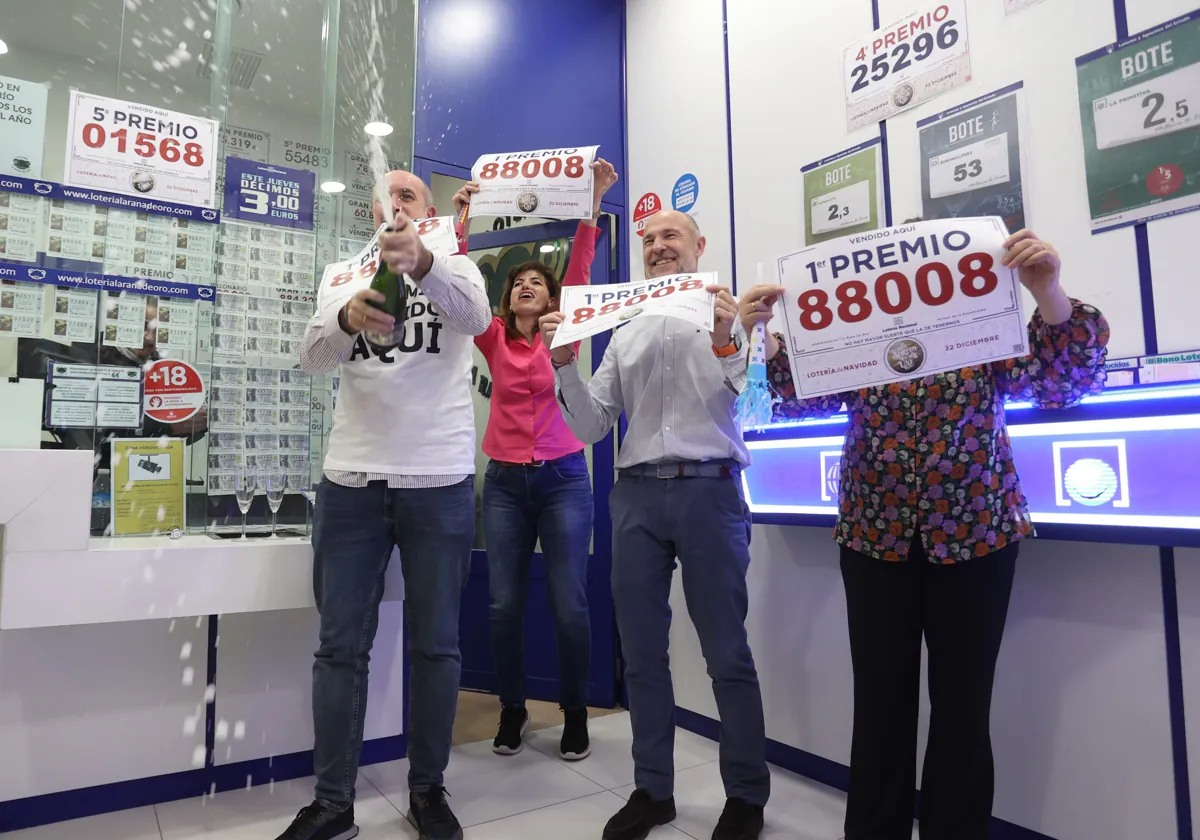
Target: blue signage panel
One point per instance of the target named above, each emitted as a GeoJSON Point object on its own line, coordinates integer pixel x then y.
{"type": "Point", "coordinates": [269, 194]}
{"type": "Point", "coordinates": [1128, 473]}
{"type": "Point", "coordinates": [685, 193]}
{"type": "Point", "coordinates": [100, 198]}
{"type": "Point", "coordinates": [26, 273]}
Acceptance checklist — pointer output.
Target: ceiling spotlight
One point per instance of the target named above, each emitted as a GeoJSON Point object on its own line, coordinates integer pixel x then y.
{"type": "Point", "coordinates": [3, 48]}
{"type": "Point", "coordinates": [547, 249]}
{"type": "Point", "coordinates": [332, 187]}
{"type": "Point", "coordinates": [378, 129]}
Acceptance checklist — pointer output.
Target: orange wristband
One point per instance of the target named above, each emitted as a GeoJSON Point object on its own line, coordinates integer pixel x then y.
{"type": "Point", "coordinates": [728, 350]}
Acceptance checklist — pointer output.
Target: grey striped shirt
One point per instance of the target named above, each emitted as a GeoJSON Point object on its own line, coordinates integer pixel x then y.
{"type": "Point", "coordinates": [677, 395]}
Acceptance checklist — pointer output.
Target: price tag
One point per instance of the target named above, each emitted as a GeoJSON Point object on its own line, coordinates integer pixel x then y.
{"type": "Point", "coordinates": [895, 304]}
{"type": "Point", "coordinates": [594, 309]}
{"type": "Point", "coordinates": [271, 195]}
{"type": "Point", "coordinates": [138, 150]}
{"type": "Point", "coordinates": [847, 207]}
{"type": "Point", "coordinates": [358, 218]}
{"type": "Point", "coordinates": [246, 143]}
{"type": "Point", "coordinates": [357, 175]}
{"type": "Point", "coordinates": [305, 154]}
{"type": "Point", "coordinates": [553, 183]}
{"type": "Point", "coordinates": [174, 391]}
{"type": "Point", "coordinates": [1163, 105]}
{"type": "Point", "coordinates": [907, 62]}
{"type": "Point", "coordinates": [971, 167]}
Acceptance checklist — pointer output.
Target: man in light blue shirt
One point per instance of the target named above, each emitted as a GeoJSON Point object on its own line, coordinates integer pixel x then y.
{"type": "Point", "coordinates": [678, 496]}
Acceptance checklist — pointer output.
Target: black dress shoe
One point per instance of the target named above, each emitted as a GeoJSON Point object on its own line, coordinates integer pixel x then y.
{"type": "Point", "coordinates": [639, 817]}
{"type": "Point", "coordinates": [739, 821]}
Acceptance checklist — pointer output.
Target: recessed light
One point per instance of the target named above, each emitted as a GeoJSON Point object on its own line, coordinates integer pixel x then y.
{"type": "Point", "coordinates": [332, 187]}
{"type": "Point", "coordinates": [378, 129]}
{"type": "Point", "coordinates": [547, 249]}
{"type": "Point", "coordinates": [3, 48]}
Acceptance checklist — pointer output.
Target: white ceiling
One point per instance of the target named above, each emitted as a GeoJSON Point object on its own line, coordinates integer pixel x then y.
{"type": "Point", "coordinates": [138, 42]}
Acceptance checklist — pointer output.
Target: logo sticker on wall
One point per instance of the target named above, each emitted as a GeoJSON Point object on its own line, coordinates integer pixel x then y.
{"type": "Point", "coordinates": [685, 193]}
{"type": "Point", "coordinates": [647, 206]}
{"type": "Point", "coordinates": [1091, 473]}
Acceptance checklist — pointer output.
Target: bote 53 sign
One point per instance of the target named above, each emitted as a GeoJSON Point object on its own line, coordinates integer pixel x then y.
{"type": "Point", "coordinates": [137, 150]}
{"type": "Point", "coordinates": [893, 304]}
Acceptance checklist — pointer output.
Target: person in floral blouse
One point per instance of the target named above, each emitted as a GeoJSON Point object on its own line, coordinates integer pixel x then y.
{"type": "Point", "coordinates": [931, 516]}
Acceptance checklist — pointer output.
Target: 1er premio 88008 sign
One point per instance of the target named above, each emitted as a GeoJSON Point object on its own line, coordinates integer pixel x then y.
{"type": "Point", "coordinates": [139, 150]}
{"type": "Point", "coordinates": [900, 303]}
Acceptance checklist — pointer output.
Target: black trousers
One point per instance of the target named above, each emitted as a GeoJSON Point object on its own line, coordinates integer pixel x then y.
{"type": "Point", "coordinates": [960, 610]}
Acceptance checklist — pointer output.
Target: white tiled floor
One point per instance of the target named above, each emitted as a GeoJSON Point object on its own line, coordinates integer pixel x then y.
{"type": "Point", "coordinates": [534, 796]}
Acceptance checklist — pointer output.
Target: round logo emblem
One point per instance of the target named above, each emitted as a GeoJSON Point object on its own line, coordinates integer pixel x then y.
{"type": "Point", "coordinates": [22, 164]}
{"type": "Point", "coordinates": [1164, 180]}
{"type": "Point", "coordinates": [527, 202]}
{"type": "Point", "coordinates": [143, 182]}
{"type": "Point", "coordinates": [647, 206]}
{"type": "Point", "coordinates": [631, 314]}
{"type": "Point", "coordinates": [905, 355]}
{"type": "Point", "coordinates": [1091, 482]}
{"type": "Point", "coordinates": [902, 95]}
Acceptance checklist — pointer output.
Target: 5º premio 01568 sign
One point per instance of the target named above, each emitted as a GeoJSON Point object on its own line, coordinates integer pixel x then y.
{"type": "Point", "coordinates": [139, 150]}
{"type": "Point", "coordinates": [898, 303]}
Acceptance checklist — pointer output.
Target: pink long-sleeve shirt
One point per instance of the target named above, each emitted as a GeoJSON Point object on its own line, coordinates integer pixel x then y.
{"type": "Point", "coordinates": [524, 424]}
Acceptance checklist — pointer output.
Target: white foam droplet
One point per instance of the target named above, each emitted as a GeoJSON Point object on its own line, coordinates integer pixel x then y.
{"type": "Point", "coordinates": [189, 675]}
{"type": "Point", "coordinates": [210, 693]}
{"type": "Point", "coordinates": [162, 513]}
{"type": "Point", "coordinates": [185, 652]}
{"type": "Point", "coordinates": [222, 731]}
{"type": "Point", "coordinates": [198, 756]}
{"type": "Point", "coordinates": [164, 441]}
{"type": "Point", "coordinates": [190, 724]}
{"type": "Point", "coordinates": [239, 730]}
{"type": "Point", "coordinates": [173, 60]}
{"type": "Point", "coordinates": [158, 553]}
{"type": "Point", "coordinates": [148, 574]}
{"type": "Point", "coordinates": [249, 781]}
{"type": "Point", "coordinates": [171, 626]}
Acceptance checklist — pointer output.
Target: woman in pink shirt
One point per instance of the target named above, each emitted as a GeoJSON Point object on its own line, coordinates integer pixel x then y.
{"type": "Point", "coordinates": [537, 487]}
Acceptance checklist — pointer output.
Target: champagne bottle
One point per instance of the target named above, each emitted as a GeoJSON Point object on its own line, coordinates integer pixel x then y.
{"type": "Point", "coordinates": [394, 303]}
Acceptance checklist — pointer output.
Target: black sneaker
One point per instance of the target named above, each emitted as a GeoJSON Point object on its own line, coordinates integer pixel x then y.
{"type": "Point", "coordinates": [510, 738]}
{"type": "Point", "coordinates": [431, 815]}
{"type": "Point", "coordinates": [316, 822]}
{"type": "Point", "coordinates": [639, 817]}
{"type": "Point", "coordinates": [739, 821]}
{"type": "Point", "coordinates": [575, 744]}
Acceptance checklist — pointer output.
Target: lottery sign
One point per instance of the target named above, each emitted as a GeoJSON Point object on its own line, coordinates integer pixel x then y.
{"type": "Point", "coordinates": [896, 304]}
{"type": "Point", "coordinates": [1140, 112]}
{"type": "Point", "coordinates": [971, 159]}
{"type": "Point", "coordinates": [139, 150]}
{"type": "Point", "coordinates": [906, 63]}
{"type": "Point", "coordinates": [246, 143]}
{"type": "Point", "coordinates": [357, 175]}
{"type": "Point", "coordinates": [342, 279]}
{"type": "Point", "coordinates": [842, 193]}
{"type": "Point", "coordinates": [268, 194]}
{"type": "Point", "coordinates": [174, 391]}
{"type": "Point", "coordinates": [551, 183]}
{"type": "Point", "coordinates": [594, 309]}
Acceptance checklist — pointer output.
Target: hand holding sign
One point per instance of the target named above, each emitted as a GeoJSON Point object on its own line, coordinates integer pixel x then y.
{"type": "Point", "coordinates": [549, 324]}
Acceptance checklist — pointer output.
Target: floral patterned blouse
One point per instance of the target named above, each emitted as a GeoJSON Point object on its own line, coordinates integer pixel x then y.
{"type": "Point", "coordinates": [932, 457]}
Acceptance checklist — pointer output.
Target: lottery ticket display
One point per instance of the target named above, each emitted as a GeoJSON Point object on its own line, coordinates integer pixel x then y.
{"type": "Point", "coordinates": [20, 226]}
{"type": "Point", "coordinates": [21, 308]}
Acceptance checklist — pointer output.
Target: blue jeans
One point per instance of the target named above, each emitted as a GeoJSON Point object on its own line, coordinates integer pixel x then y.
{"type": "Point", "coordinates": [354, 531]}
{"type": "Point", "coordinates": [521, 504]}
{"type": "Point", "coordinates": [706, 525]}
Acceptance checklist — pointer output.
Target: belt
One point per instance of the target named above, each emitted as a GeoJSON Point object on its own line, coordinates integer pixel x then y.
{"type": "Point", "coordinates": [683, 469]}
{"type": "Point", "coordinates": [536, 464]}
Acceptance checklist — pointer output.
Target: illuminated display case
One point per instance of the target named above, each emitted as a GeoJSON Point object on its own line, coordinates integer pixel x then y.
{"type": "Point", "coordinates": [1119, 467]}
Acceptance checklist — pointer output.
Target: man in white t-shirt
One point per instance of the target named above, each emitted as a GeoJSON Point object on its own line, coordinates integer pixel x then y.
{"type": "Point", "coordinates": [398, 473]}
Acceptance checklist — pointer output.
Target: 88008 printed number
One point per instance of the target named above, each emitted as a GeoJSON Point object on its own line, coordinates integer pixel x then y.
{"type": "Point", "coordinates": [934, 285]}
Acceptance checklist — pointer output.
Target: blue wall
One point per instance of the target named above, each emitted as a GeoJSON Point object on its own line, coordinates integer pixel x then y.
{"type": "Point", "coordinates": [515, 75]}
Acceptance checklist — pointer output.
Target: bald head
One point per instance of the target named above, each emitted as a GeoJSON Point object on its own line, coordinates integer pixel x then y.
{"type": "Point", "coordinates": [671, 244]}
{"type": "Point", "coordinates": [410, 194]}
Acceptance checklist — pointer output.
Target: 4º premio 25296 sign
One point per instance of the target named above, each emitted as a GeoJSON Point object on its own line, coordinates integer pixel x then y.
{"type": "Point", "coordinates": [139, 150]}
{"type": "Point", "coordinates": [907, 62]}
{"type": "Point", "coordinates": [899, 303]}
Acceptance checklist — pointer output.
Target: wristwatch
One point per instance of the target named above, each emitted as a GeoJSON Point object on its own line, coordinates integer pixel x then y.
{"type": "Point", "coordinates": [734, 345]}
